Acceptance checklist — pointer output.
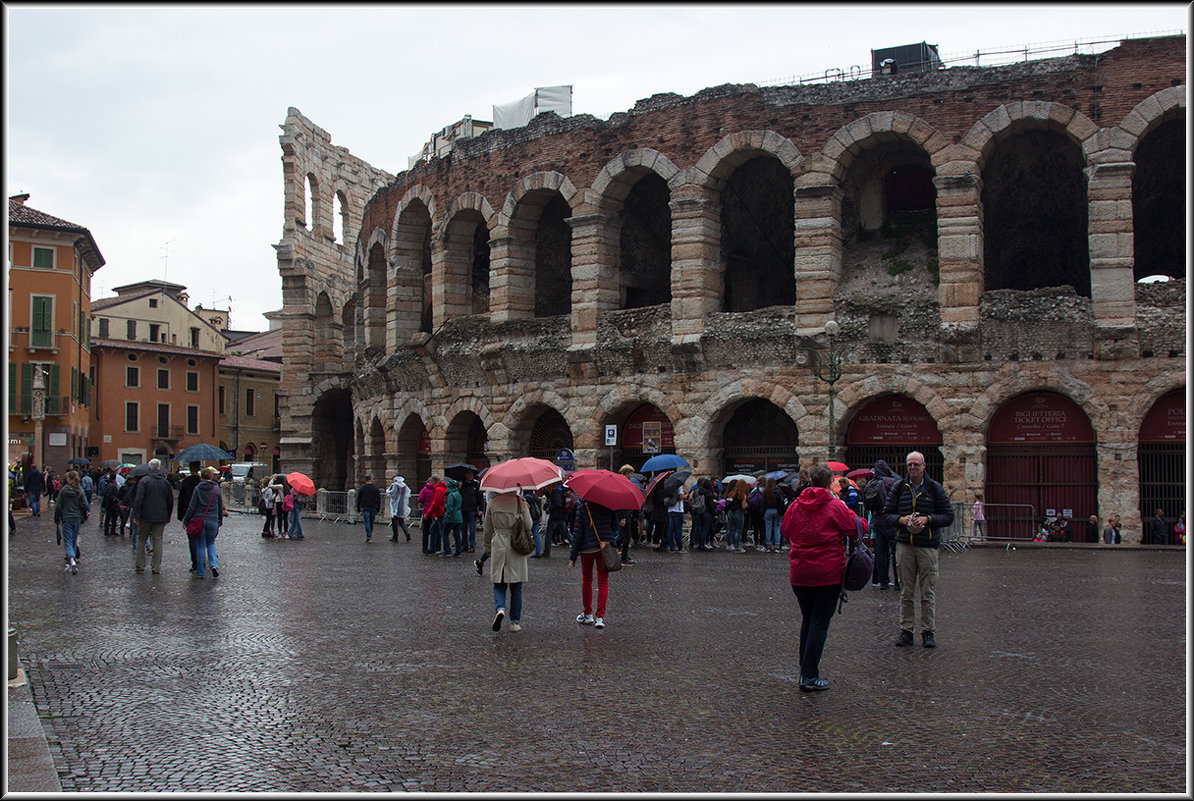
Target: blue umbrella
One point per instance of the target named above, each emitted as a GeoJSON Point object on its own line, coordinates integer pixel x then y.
{"type": "Point", "coordinates": [201, 453]}
{"type": "Point", "coordinates": [664, 461]}
{"type": "Point", "coordinates": [778, 475]}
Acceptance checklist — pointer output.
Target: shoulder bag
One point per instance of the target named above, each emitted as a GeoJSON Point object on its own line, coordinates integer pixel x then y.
{"type": "Point", "coordinates": [520, 539]}
{"type": "Point", "coordinates": [610, 557]}
{"type": "Point", "coordinates": [195, 524]}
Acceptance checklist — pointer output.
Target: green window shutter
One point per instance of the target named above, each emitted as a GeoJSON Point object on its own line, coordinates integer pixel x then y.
{"type": "Point", "coordinates": [43, 258]}
{"type": "Point", "coordinates": [53, 391]}
{"type": "Point", "coordinates": [74, 384]}
{"type": "Point", "coordinates": [42, 328]}
{"type": "Point", "coordinates": [27, 387]}
{"type": "Point", "coordinates": [13, 388]}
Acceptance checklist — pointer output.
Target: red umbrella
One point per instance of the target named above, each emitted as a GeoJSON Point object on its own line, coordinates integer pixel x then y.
{"type": "Point", "coordinates": [611, 490]}
{"type": "Point", "coordinates": [300, 483]}
{"type": "Point", "coordinates": [838, 467]}
{"type": "Point", "coordinates": [862, 472]}
{"type": "Point", "coordinates": [655, 481]}
{"type": "Point", "coordinates": [527, 473]}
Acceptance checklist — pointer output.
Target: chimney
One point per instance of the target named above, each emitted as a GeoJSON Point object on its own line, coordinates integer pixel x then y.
{"type": "Point", "coordinates": [20, 198]}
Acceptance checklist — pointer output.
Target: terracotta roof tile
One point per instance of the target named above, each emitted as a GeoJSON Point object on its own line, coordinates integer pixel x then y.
{"type": "Point", "coordinates": [153, 347]}
{"type": "Point", "coordinates": [249, 363]}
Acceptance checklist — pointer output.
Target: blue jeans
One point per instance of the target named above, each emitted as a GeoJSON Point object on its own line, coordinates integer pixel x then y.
{"type": "Point", "coordinates": [771, 523]}
{"type": "Point", "coordinates": [205, 548]}
{"type": "Point", "coordinates": [367, 515]}
{"type": "Point", "coordinates": [702, 528]}
{"type": "Point", "coordinates": [538, 542]}
{"type": "Point", "coordinates": [34, 503]}
{"type": "Point", "coordinates": [675, 531]}
{"type": "Point", "coordinates": [133, 534]}
{"type": "Point", "coordinates": [296, 523]}
{"type": "Point", "coordinates": [816, 612]}
{"type": "Point", "coordinates": [514, 612]}
{"type": "Point", "coordinates": [70, 535]}
{"type": "Point", "coordinates": [735, 518]}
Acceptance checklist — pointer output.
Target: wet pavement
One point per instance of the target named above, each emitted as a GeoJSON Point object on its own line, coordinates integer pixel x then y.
{"type": "Point", "coordinates": [330, 665]}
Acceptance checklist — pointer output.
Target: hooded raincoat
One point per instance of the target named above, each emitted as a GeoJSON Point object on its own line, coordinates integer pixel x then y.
{"type": "Point", "coordinates": [814, 526]}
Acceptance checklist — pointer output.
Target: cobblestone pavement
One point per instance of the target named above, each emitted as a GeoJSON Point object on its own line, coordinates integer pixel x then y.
{"type": "Point", "coordinates": [331, 665]}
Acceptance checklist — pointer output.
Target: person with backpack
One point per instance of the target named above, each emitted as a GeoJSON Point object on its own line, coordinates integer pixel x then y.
{"type": "Point", "coordinates": [70, 511]}
{"type": "Point", "coordinates": [701, 502]}
{"type": "Point", "coordinates": [874, 496]}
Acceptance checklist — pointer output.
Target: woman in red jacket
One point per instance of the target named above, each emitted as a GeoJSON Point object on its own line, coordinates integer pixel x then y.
{"type": "Point", "coordinates": [814, 526]}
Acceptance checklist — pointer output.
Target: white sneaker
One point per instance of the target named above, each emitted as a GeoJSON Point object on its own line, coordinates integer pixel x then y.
{"type": "Point", "coordinates": [598, 622]}
{"type": "Point", "coordinates": [583, 618]}
{"type": "Point", "coordinates": [74, 568]}
{"type": "Point", "coordinates": [515, 627]}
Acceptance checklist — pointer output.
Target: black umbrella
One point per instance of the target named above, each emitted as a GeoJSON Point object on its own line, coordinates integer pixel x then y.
{"type": "Point", "coordinates": [139, 471]}
{"type": "Point", "coordinates": [457, 471]}
{"type": "Point", "coordinates": [672, 484]}
{"type": "Point", "coordinates": [110, 463]}
{"type": "Point", "coordinates": [79, 460]}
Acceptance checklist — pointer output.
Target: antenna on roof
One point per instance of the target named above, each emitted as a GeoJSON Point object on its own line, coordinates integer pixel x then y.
{"type": "Point", "coordinates": [166, 258]}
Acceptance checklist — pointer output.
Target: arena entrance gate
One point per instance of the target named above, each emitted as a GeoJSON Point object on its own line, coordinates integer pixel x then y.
{"type": "Point", "coordinates": [1040, 453]}
{"type": "Point", "coordinates": [1161, 458]}
{"type": "Point", "coordinates": [888, 428]}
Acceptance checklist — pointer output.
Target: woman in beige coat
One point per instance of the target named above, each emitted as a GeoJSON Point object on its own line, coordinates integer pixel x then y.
{"type": "Point", "coordinates": [507, 567]}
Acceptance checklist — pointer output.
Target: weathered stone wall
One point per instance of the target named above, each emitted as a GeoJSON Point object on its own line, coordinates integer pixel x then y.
{"type": "Point", "coordinates": [912, 308]}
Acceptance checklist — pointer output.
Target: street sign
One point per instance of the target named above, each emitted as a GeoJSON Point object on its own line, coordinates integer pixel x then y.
{"type": "Point", "coordinates": [611, 435]}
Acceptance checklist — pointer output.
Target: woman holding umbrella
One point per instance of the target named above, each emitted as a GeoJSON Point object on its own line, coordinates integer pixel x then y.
{"type": "Point", "coordinates": [595, 526]}
{"type": "Point", "coordinates": [508, 567]}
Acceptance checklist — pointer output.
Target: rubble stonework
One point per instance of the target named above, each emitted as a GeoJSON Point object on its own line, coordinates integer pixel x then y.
{"type": "Point", "coordinates": [403, 327]}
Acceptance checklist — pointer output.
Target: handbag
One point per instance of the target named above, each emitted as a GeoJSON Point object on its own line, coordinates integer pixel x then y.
{"type": "Point", "coordinates": [860, 565]}
{"type": "Point", "coordinates": [609, 552]}
{"type": "Point", "coordinates": [195, 524]}
{"type": "Point", "coordinates": [520, 538]}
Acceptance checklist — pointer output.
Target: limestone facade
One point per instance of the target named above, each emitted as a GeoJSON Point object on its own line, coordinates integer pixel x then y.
{"type": "Point", "coordinates": [476, 296]}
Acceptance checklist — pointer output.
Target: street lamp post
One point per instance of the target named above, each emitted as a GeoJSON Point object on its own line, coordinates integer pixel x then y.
{"type": "Point", "coordinates": [827, 366]}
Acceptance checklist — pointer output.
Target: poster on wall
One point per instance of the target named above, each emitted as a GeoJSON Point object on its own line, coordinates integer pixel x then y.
{"type": "Point", "coordinates": [652, 436]}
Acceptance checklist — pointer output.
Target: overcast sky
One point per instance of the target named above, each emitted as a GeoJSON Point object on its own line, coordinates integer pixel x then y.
{"type": "Point", "coordinates": [156, 127]}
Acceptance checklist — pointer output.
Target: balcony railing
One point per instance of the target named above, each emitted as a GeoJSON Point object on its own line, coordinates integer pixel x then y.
{"type": "Point", "coordinates": [36, 340]}
{"type": "Point", "coordinates": [56, 405]}
{"type": "Point", "coordinates": [172, 433]}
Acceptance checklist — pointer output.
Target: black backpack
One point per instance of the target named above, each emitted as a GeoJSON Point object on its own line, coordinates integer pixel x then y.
{"type": "Point", "coordinates": [874, 494]}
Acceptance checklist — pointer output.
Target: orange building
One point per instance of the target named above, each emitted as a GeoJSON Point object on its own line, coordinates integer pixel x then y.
{"type": "Point", "coordinates": [157, 374]}
{"type": "Point", "coordinates": [50, 264]}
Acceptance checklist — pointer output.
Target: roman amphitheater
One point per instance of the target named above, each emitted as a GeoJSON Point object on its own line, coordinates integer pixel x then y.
{"type": "Point", "coordinates": [763, 277]}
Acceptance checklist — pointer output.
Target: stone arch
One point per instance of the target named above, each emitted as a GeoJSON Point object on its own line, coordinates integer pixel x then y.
{"type": "Point", "coordinates": [1035, 235]}
{"type": "Point", "coordinates": [851, 140]}
{"type": "Point", "coordinates": [717, 408]}
{"type": "Point", "coordinates": [410, 288]}
{"type": "Point", "coordinates": [616, 178]}
{"type": "Point", "coordinates": [1146, 116]}
{"type": "Point", "coordinates": [854, 396]}
{"type": "Point", "coordinates": [1152, 138]}
{"type": "Point", "coordinates": [620, 398]}
{"type": "Point", "coordinates": [329, 333]}
{"type": "Point", "coordinates": [720, 161]}
{"type": "Point", "coordinates": [463, 255]}
{"type": "Point", "coordinates": [535, 277]}
{"type": "Point", "coordinates": [377, 237]}
{"type": "Point", "coordinates": [470, 404]}
{"type": "Point", "coordinates": [991, 399]}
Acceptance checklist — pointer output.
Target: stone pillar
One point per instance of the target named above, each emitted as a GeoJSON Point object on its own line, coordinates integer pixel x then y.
{"type": "Point", "coordinates": [1112, 279]}
{"type": "Point", "coordinates": [595, 284]}
{"type": "Point", "coordinates": [959, 248]}
{"type": "Point", "coordinates": [818, 262]}
{"type": "Point", "coordinates": [512, 270]}
{"type": "Point", "coordinates": [697, 281]}
{"type": "Point", "coordinates": [1119, 486]}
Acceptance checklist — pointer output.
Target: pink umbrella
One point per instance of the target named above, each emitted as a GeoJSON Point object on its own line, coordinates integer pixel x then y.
{"type": "Point", "coordinates": [526, 473]}
{"type": "Point", "coordinates": [838, 467]}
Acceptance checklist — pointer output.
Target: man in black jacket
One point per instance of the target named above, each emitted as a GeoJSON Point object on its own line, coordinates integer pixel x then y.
{"type": "Point", "coordinates": [920, 509]}
{"type": "Point", "coordinates": [368, 502]}
{"type": "Point", "coordinates": [152, 506]}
